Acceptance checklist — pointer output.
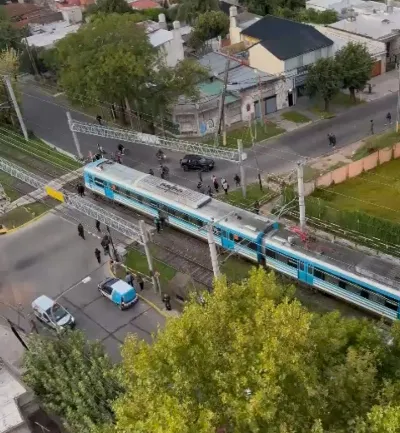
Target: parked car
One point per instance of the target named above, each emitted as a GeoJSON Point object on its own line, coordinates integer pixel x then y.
{"type": "Point", "coordinates": [52, 314]}
{"type": "Point", "coordinates": [118, 292]}
{"type": "Point", "coordinates": [197, 162]}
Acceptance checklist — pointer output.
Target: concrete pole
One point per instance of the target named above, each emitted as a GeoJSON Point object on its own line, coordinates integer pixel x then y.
{"type": "Point", "coordinates": [16, 107]}
{"type": "Point", "coordinates": [74, 136]}
{"type": "Point", "coordinates": [300, 186]}
{"type": "Point", "coordinates": [213, 251]}
{"type": "Point", "coordinates": [241, 167]}
{"type": "Point", "coordinates": [145, 240]}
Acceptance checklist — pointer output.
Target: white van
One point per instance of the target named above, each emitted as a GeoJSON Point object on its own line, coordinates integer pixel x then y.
{"type": "Point", "coordinates": [52, 313]}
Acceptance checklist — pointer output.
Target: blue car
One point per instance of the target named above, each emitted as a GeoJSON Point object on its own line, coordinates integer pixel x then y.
{"type": "Point", "coordinates": [119, 292]}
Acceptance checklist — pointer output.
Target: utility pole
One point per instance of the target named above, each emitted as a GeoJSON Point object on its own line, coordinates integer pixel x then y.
{"type": "Point", "coordinates": [145, 240]}
{"type": "Point", "coordinates": [74, 136]}
{"type": "Point", "coordinates": [241, 167]}
{"type": "Point", "coordinates": [213, 251]}
{"type": "Point", "coordinates": [221, 112]}
{"type": "Point", "coordinates": [398, 100]}
{"type": "Point", "coordinates": [259, 102]}
{"type": "Point", "coordinates": [300, 186]}
{"type": "Point", "coordinates": [116, 257]}
{"type": "Point", "coordinates": [16, 107]}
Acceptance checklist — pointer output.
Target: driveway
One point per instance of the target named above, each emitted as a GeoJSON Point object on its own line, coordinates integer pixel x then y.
{"type": "Point", "coordinates": [47, 257]}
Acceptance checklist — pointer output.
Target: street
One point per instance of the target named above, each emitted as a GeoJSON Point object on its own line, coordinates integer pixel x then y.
{"type": "Point", "coordinates": [47, 257]}
{"type": "Point", "coordinates": [45, 115]}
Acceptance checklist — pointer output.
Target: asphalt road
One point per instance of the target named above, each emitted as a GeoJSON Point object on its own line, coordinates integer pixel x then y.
{"type": "Point", "coordinates": [47, 118]}
{"type": "Point", "coordinates": [48, 257]}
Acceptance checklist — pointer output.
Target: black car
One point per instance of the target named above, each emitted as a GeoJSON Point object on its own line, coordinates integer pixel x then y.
{"type": "Point", "coordinates": [197, 162]}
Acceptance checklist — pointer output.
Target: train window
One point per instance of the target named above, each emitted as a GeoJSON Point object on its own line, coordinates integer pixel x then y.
{"type": "Point", "coordinates": [99, 182]}
{"type": "Point", "coordinates": [292, 263]}
{"type": "Point", "coordinates": [391, 304]}
{"type": "Point", "coordinates": [281, 257]}
{"type": "Point", "coordinates": [342, 284]}
{"type": "Point", "coordinates": [310, 270]}
{"type": "Point", "coordinates": [217, 231]}
{"type": "Point", "coordinates": [270, 253]}
{"type": "Point", "coordinates": [301, 266]}
{"type": "Point", "coordinates": [318, 273]}
{"type": "Point", "coordinates": [252, 246]}
{"type": "Point", "coordinates": [331, 279]}
{"type": "Point", "coordinates": [231, 236]}
{"type": "Point", "coordinates": [364, 294]}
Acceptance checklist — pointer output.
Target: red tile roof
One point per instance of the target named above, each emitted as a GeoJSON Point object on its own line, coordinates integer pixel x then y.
{"type": "Point", "coordinates": [144, 4]}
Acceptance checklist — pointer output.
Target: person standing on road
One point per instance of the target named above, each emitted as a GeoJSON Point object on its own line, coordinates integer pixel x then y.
{"type": "Point", "coordinates": [129, 278]}
{"type": "Point", "coordinates": [333, 136]}
{"type": "Point", "coordinates": [81, 189]}
{"type": "Point", "coordinates": [389, 118]}
{"type": "Point", "coordinates": [225, 185]}
{"type": "Point", "coordinates": [140, 281]}
{"type": "Point", "coordinates": [372, 127]}
{"type": "Point", "coordinates": [157, 222]}
{"type": "Point", "coordinates": [105, 243]}
{"type": "Point", "coordinates": [97, 253]}
{"type": "Point", "coordinates": [98, 225]}
{"type": "Point", "coordinates": [99, 119]}
{"type": "Point", "coordinates": [215, 183]}
{"type": "Point", "coordinates": [209, 191]}
{"type": "Point", "coordinates": [237, 180]}
{"type": "Point", "coordinates": [257, 207]}
{"type": "Point", "coordinates": [200, 176]}
{"type": "Point", "coordinates": [81, 232]}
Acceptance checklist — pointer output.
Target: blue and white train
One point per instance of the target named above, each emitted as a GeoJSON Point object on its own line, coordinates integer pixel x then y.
{"type": "Point", "coordinates": [364, 280]}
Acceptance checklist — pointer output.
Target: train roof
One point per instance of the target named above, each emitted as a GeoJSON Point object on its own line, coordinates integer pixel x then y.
{"type": "Point", "coordinates": [170, 193]}
{"type": "Point", "coordinates": [357, 262]}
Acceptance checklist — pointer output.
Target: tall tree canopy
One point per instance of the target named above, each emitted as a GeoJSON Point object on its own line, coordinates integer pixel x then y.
{"type": "Point", "coordinates": [10, 37]}
{"type": "Point", "coordinates": [188, 10]}
{"type": "Point", "coordinates": [355, 65]}
{"type": "Point", "coordinates": [323, 79]}
{"type": "Point", "coordinates": [109, 7]}
{"type": "Point", "coordinates": [251, 359]}
{"type": "Point", "coordinates": [209, 25]}
{"type": "Point", "coordinates": [72, 377]}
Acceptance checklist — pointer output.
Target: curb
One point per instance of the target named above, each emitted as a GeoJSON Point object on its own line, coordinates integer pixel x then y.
{"type": "Point", "coordinates": [28, 222]}
{"type": "Point", "coordinates": [152, 305]}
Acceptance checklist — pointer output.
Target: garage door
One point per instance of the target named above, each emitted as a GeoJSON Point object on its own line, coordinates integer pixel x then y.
{"type": "Point", "coordinates": [270, 105]}
{"type": "Point", "coordinates": [376, 69]}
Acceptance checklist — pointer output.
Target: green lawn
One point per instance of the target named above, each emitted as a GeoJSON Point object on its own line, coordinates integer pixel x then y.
{"type": "Point", "coordinates": [322, 113]}
{"type": "Point", "coordinates": [295, 116]}
{"type": "Point", "coordinates": [375, 192]}
{"type": "Point", "coordinates": [376, 142]}
{"type": "Point", "coordinates": [344, 100]}
{"type": "Point", "coordinates": [137, 261]}
{"type": "Point", "coordinates": [260, 131]}
{"type": "Point", "coordinates": [24, 153]}
{"type": "Point", "coordinates": [7, 182]}
{"type": "Point", "coordinates": [22, 215]}
{"type": "Point", "coordinates": [236, 269]}
{"type": "Point", "coordinates": [254, 193]}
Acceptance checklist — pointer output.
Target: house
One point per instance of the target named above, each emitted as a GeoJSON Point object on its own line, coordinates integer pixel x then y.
{"type": "Point", "coordinates": [66, 5]}
{"type": "Point", "coordinates": [169, 42]}
{"type": "Point", "coordinates": [225, 5]}
{"type": "Point", "coordinates": [142, 5]}
{"type": "Point", "coordinates": [342, 6]}
{"type": "Point", "coordinates": [279, 46]}
{"type": "Point", "coordinates": [46, 35]}
{"type": "Point", "coordinates": [381, 26]}
{"type": "Point", "coordinates": [376, 49]}
{"type": "Point", "coordinates": [239, 22]}
{"type": "Point", "coordinates": [21, 14]}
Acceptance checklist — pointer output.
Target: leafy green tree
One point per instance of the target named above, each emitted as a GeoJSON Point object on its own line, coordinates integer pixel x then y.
{"type": "Point", "coordinates": [323, 79]}
{"type": "Point", "coordinates": [209, 25]}
{"type": "Point", "coordinates": [9, 65]}
{"type": "Point", "coordinates": [109, 7]}
{"type": "Point", "coordinates": [115, 60]}
{"type": "Point", "coordinates": [10, 37]}
{"type": "Point", "coordinates": [251, 359]}
{"type": "Point", "coordinates": [72, 378]}
{"type": "Point", "coordinates": [355, 64]}
{"type": "Point", "coordinates": [188, 10]}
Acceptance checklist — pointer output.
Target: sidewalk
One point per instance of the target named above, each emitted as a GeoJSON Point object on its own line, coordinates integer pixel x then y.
{"type": "Point", "coordinates": [39, 194]}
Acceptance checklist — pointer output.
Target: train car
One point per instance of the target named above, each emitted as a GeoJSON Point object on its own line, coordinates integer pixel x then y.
{"type": "Point", "coordinates": [358, 278]}
{"type": "Point", "coordinates": [234, 229]}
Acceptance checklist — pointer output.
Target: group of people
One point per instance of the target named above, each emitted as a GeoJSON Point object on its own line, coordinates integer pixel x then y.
{"type": "Point", "coordinates": [215, 182]}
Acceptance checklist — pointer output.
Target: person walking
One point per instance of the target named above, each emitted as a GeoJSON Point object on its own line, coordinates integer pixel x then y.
{"type": "Point", "coordinates": [81, 232]}
{"type": "Point", "coordinates": [257, 207]}
{"type": "Point", "coordinates": [237, 180]}
{"type": "Point", "coordinates": [333, 138]}
{"type": "Point", "coordinates": [129, 278]}
{"type": "Point", "coordinates": [99, 119]}
{"type": "Point", "coordinates": [330, 139]}
{"type": "Point", "coordinates": [372, 127]}
{"type": "Point", "coordinates": [151, 172]}
{"type": "Point", "coordinates": [209, 191]}
{"type": "Point", "coordinates": [200, 176]}
{"type": "Point", "coordinates": [81, 189]}
{"type": "Point", "coordinates": [157, 222]}
{"type": "Point", "coordinates": [140, 281]}
{"type": "Point", "coordinates": [389, 118]}
{"type": "Point", "coordinates": [215, 183]}
{"type": "Point", "coordinates": [97, 253]}
{"type": "Point", "coordinates": [98, 226]}
{"type": "Point", "coordinates": [225, 185]}
{"type": "Point", "coordinates": [105, 243]}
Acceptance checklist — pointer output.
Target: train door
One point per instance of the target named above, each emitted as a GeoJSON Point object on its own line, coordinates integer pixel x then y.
{"type": "Point", "coordinates": [226, 242]}
{"type": "Point", "coordinates": [302, 271]}
{"type": "Point", "coordinates": [109, 190]}
{"type": "Point", "coordinates": [89, 180]}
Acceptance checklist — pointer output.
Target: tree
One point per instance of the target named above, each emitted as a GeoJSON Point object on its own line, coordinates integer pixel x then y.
{"type": "Point", "coordinates": [10, 37]}
{"type": "Point", "coordinates": [115, 60]}
{"type": "Point", "coordinates": [9, 65]}
{"type": "Point", "coordinates": [323, 79]}
{"type": "Point", "coordinates": [188, 10]}
{"type": "Point", "coordinates": [355, 64]}
{"type": "Point", "coordinates": [109, 7]}
{"type": "Point", "coordinates": [251, 359]}
{"type": "Point", "coordinates": [307, 15]}
{"type": "Point", "coordinates": [209, 25]}
{"type": "Point", "coordinates": [72, 378]}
